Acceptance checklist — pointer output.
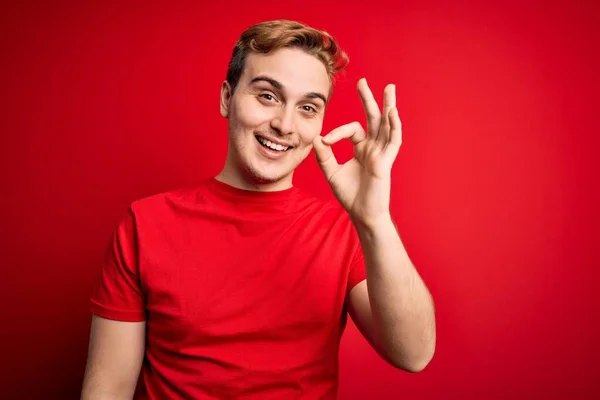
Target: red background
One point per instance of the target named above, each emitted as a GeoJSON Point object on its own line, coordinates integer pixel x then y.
{"type": "Point", "coordinates": [495, 190]}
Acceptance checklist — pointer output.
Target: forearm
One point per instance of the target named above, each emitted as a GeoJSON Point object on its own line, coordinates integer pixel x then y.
{"type": "Point", "coordinates": [97, 393]}
{"type": "Point", "coordinates": [401, 305]}
{"type": "Point", "coordinates": [96, 388]}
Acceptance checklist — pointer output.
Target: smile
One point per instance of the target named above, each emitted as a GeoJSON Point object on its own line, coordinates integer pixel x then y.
{"type": "Point", "coordinates": [272, 146]}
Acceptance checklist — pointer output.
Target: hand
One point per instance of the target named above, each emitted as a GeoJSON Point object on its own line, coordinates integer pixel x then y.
{"type": "Point", "coordinates": [362, 185]}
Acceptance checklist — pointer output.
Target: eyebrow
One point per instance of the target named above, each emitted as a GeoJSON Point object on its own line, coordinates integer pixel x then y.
{"type": "Point", "coordinates": [278, 85]}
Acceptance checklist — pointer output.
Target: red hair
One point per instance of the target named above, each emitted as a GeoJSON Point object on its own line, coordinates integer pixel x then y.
{"type": "Point", "coordinates": [269, 36]}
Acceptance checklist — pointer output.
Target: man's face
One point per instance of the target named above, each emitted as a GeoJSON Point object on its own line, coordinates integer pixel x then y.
{"type": "Point", "coordinates": [274, 114]}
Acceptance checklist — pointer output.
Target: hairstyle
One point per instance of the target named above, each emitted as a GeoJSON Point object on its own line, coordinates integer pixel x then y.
{"type": "Point", "coordinates": [269, 36]}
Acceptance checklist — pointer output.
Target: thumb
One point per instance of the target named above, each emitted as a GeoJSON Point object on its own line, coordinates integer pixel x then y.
{"type": "Point", "coordinates": [325, 157]}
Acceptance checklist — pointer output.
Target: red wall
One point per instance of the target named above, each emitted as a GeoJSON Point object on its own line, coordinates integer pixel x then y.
{"type": "Point", "coordinates": [495, 189]}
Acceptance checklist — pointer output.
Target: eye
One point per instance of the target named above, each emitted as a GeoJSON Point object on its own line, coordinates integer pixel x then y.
{"type": "Point", "coordinates": [309, 108]}
{"type": "Point", "coordinates": [267, 96]}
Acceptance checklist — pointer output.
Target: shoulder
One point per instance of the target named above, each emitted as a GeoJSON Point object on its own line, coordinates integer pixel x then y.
{"type": "Point", "coordinates": [168, 200]}
{"type": "Point", "coordinates": [307, 199]}
{"type": "Point", "coordinates": [325, 211]}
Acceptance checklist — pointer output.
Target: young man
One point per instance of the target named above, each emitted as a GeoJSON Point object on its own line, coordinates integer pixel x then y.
{"type": "Point", "coordinates": [238, 287]}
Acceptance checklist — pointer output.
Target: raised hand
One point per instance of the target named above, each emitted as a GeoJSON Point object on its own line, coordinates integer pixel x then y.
{"type": "Point", "coordinates": [362, 185]}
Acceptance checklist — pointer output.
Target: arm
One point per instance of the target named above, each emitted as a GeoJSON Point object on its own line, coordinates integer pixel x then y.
{"type": "Point", "coordinates": [393, 308]}
{"type": "Point", "coordinates": [116, 352]}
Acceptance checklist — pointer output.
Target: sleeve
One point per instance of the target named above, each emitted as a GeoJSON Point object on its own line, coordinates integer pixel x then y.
{"type": "Point", "coordinates": [357, 272]}
{"type": "Point", "coordinates": [118, 294]}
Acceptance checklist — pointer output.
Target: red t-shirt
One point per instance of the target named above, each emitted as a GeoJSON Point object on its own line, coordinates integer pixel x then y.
{"type": "Point", "coordinates": [243, 292]}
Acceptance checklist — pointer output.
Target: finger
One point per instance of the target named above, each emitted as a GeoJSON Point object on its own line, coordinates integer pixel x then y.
{"type": "Point", "coordinates": [389, 96]}
{"type": "Point", "coordinates": [395, 141]}
{"type": "Point", "coordinates": [389, 102]}
{"type": "Point", "coordinates": [325, 157]}
{"type": "Point", "coordinates": [372, 111]}
{"type": "Point", "coordinates": [353, 131]}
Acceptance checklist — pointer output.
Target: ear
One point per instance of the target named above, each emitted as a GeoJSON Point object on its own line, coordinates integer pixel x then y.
{"type": "Point", "coordinates": [226, 94]}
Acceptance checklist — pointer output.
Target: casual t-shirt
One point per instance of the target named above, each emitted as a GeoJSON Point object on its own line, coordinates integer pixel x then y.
{"type": "Point", "coordinates": [243, 292]}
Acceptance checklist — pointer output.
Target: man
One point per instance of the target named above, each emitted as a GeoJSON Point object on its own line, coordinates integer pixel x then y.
{"type": "Point", "coordinates": [239, 286]}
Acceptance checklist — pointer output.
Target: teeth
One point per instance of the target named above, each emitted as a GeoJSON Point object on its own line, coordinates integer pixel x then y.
{"type": "Point", "coordinates": [271, 145]}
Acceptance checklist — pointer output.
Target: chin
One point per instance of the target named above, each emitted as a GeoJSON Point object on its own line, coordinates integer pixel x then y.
{"type": "Point", "coordinates": [262, 176]}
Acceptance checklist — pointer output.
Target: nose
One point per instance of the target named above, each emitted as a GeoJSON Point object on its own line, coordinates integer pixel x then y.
{"type": "Point", "coordinates": [283, 122]}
